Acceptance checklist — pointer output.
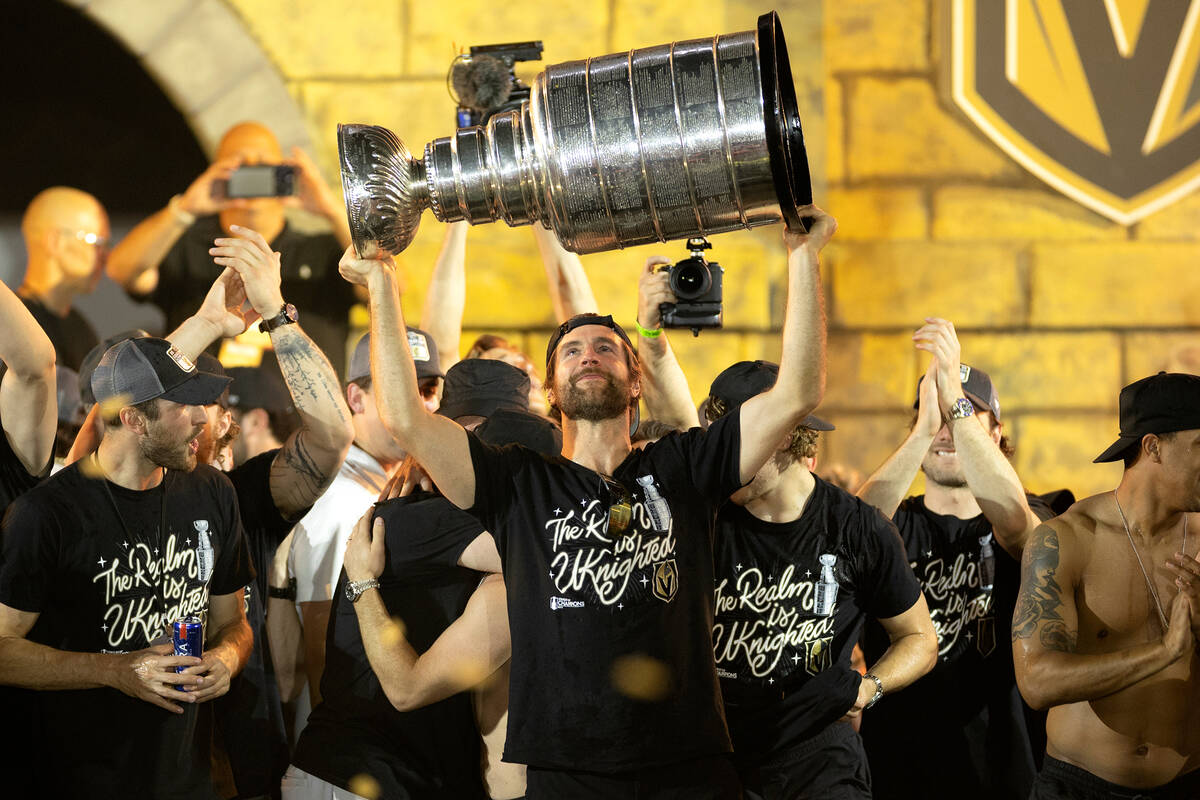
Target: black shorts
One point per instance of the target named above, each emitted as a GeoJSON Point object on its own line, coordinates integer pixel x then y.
{"type": "Point", "coordinates": [1059, 780]}
{"type": "Point", "coordinates": [830, 766]}
{"type": "Point", "coordinates": [709, 778]}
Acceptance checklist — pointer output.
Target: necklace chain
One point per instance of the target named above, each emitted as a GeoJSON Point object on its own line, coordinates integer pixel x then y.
{"type": "Point", "coordinates": [1149, 584]}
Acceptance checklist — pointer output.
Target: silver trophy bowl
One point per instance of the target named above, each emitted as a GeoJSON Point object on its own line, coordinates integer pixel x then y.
{"type": "Point", "coordinates": [669, 142]}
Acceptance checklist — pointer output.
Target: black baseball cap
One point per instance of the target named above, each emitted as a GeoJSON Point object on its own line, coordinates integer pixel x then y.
{"type": "Point", "coordinates": [88, 365]}
{"type": "Point", "coordinates": [481, 386]}
{"type": "Point", "coordinates": [420, 344]}
{"type": "Point", "coordinates": [745, 379]}
{"type": "Point", "coordinates": [578, 321]}
{"type": "Point", "coordinates": [534, 431]}
{"type": "Point", "coordinates": [977, 386]}
{"type": "Point", "coordinates": [137, 370]}
{"type": "Point", "coordinates": [1162, 403]}
{"type": "Point", "coordinates": [260, 387]}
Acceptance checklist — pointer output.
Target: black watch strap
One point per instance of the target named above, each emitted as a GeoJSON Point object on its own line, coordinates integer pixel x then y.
{"type": "Point", "coordinates": [283, 592]}
{"type": "Point", "coordinates": [287, 315]}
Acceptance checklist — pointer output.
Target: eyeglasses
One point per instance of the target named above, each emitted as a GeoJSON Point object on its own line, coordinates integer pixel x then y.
{"type": "Point", "coordinates": [94, 239]}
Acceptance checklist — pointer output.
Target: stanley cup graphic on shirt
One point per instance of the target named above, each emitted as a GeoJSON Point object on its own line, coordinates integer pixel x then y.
{"type": "Point", "coordinates": [204, 550]}
{"type": "Point", "coordinates": [827, 587]}
{"type": "Point", "coordinates": [656, 504]}
{"type": "Point", "coordinates": [987, 563]}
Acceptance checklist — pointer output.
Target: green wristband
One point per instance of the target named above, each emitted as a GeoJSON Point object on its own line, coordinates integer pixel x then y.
{"type": "Point", "coordinates": [649, 334]}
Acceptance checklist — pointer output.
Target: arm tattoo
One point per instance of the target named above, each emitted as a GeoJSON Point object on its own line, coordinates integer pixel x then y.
{"type": "Point", "coordinates": [1041, 597]}
{"type": "Point", "coordinates": [296, 478]}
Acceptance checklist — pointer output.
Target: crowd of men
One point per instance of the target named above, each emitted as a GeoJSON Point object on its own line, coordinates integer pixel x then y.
{"type": "Point", "coordinates": [421, 576]}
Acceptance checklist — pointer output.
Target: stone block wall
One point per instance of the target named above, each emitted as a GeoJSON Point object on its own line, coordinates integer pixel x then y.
{"type": "Point", "coordinates": [1060, 305]}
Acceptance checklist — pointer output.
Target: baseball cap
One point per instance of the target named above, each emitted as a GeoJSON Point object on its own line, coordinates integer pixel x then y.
{"type": "Point", "coordinates": [506, 426]}
{"type": "Point", "coordinates": [137, 370]}
{"type": "Point", "coordinates": [88, 365]}
{"type": "Point", "coordinates": [578, 321]}
{"type": "Point", "coordinates": [1162, 403]}
{"type": "Point", "coordinates": [420, 344]}
{"type": "Point", "coordinates": [977, 386]}
{"type": "Point", "coordinates": [259, 387]}
{"type": "Point", "coordinates": [745, 379]}
{"type": "Point", "coordinates": [481, 386]}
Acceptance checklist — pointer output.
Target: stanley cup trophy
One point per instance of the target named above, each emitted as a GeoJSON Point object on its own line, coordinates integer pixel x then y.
{"type": "Point", "coordinates": [668, 142]}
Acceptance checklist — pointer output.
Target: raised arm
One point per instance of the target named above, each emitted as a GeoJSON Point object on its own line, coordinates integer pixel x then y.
{"type": "Point", "coordinates": [1050, 672]}
{"type": "Point", "coordinates": [887, 485]}
{"type": "Point", "coordinates": [766, 418]}
{"type": "Point", "coordinates": [309, 460]}
{"type": "Point", "coordinates": [472, 648]}
{"type": "Point", "coordinates": [28, 402]}
{"type": "Point", "coordinates": [442, 315]}
{"type": "Point", "coordinates": [570, 290]}
{"type": "Point", "coordinates": [990, 476]}
{"type": "Point", "coordinates": [664, 386]}
{"type": "Point", "coordinates": [134, 261]}
{"type": "Point", "coordinates": [438, 443]}
{"type": "Point", "coordinates": [314, 196]}
{"type": "Point", "coordinates": [912, 652]}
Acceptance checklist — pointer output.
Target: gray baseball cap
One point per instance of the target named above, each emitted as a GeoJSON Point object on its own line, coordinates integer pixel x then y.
{"type": "Point", "coordinates": [420, 344]}
{"type": "Point", "coordinates": [137, 370]}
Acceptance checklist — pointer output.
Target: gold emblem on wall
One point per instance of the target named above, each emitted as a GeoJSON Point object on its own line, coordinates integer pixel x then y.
{"type": "Point", "coordinates": [666, 581]}
{"type": "Point", "coordinates": [1098, 98]}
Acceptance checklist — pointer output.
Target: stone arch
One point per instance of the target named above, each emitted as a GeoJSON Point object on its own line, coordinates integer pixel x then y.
{"type": "Point", "coordinates": [207, 63]}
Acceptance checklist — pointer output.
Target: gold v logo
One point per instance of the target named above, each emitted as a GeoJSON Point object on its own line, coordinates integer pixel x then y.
{"type": "Point", "coordinates": [1099, 98]}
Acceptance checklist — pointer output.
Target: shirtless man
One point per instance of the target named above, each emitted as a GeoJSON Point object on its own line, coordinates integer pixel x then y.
{"type": "Point", "coordinates": [1109, 608]}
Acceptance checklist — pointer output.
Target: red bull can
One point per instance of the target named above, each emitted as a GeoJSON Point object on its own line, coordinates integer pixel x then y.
{"type": "Point", "coordinates": [187, 637]}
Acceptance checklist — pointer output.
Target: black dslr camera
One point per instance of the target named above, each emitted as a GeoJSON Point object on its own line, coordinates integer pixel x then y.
{"type": "Point", "coordinates": [697, 287]}
{"type": "Point", "coordinates": [483, 82]}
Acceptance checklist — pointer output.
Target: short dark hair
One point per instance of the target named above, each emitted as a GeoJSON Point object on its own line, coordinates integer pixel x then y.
{"type": "Point", "coordinates": [801, 444]}
{"type": "Point", "coordinates": [1134, 453]}
{"type": "Point", "coordinates": [363, 383]}
{"type": "Point", "coordinates": [149, 408]}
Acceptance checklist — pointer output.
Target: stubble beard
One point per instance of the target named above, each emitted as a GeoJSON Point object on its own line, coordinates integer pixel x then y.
{"type": "Point", "coordinates": [159, 449]}
{"type": "Point", "coordinates": [949, 478]}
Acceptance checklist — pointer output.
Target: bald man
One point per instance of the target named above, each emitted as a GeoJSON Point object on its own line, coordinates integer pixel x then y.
{"type": "Point", "coordinates": [166, 258]}
{"type": "Point", "coordinates": [66, 237]}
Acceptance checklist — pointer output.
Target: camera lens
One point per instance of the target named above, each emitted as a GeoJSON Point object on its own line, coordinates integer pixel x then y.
{"type": "Point", "coordinates": [690, 279]}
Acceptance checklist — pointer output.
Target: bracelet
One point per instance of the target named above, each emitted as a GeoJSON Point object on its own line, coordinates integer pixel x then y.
{"type": "Point", "coordinates": [878, 691]}
{"type": "Point", "coordinates": [185, 218]}
{"type": "Point", "coordinates": [283, 592]}
{"type": "Point", "coordinates": [649, 334]}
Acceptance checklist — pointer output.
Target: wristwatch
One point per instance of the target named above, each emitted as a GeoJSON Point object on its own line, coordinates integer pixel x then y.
{"type": "Point", "coordinates": [355, 589]}
{"type": "Point", "coordinates": [878, 691]}
{"type": "Point", "coordinates": [962, 409]}
{"type": "Point", "coordinates": [283, 592]}
{"type": "Point", "coordinates": [287, 315]}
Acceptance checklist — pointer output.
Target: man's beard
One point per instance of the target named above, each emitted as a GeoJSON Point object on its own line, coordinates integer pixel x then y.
{"type": "Point", "coordinates": [158, 449]}
{"type": "Point", "coordinates": [594, 406]}
{"type": "Point", "coordinates": [946, 476]}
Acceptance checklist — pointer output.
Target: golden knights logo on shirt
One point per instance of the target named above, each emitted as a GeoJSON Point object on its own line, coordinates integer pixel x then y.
{"type": "Point", "coordinates": [1098, 99]}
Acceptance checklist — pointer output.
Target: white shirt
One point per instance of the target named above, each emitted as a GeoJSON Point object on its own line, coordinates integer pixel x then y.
{"type": "Point", "coordinates": [320, 537]}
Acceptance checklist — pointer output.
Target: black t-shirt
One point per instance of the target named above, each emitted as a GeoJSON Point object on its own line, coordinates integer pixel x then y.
{"type": "Point", "coordinates": [105, 584]}
{"type": "Point", "coordinates": [960, 729]}
{"type": "Point", "coordinates": [15, 480]}
{"type": "Point", "coordinates": [308, 267]}
{"type": "Point", "coordinates": [72, 336]}
{"type": "Point", "coordinates": [587, 605]}
{"type": "Point", "coordinates": [782, 643]}
{"type": "Point", "coordinates": [250, 715]}
{"type": "Point", "coordinates": [428, 752]}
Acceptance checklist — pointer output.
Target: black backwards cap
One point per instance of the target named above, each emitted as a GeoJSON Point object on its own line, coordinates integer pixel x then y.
{"type": "Point", "coordinates": [1162, 403]}
{"type": "Point", "coordinates": [137, 370]}
{"type": "Point", "coordinates": [977, 386]}
{"type": "Point", "coordinates": [745, 379]}
{"type": "Point", "coordinates": [481, 386]}
{"type": "Point", "coordinates": [578, 321]}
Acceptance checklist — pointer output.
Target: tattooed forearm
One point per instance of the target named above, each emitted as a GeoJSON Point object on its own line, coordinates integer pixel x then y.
{"type": "Point", "coordinates": [297, 478]}
{"type": "Point", "coordinates": [309, 375]}
{"type": "Point", "coordinates": [1040, 598]}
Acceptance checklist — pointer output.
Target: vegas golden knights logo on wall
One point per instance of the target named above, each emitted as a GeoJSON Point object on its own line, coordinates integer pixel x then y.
{"type": "Point", "coordinates": [1099, 98]}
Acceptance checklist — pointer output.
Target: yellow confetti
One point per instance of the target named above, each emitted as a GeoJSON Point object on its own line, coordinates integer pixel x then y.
{"type": "Point", "coordinates": [365, 786]}
{"type": "Point", "coordinates": [641, 677]}
{"type": "Point", "coordinates": [90, 468]}
{"type": "Point", "coordinates": [393, 634]}
{"type": "Point", "coordinates": [112, 406]}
